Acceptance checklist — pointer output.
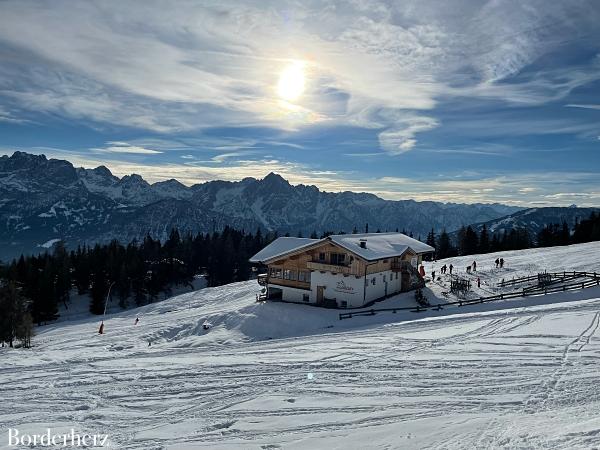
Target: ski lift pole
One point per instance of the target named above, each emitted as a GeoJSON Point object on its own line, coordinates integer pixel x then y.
{"type": "Point", "coordinates": [101, 329]}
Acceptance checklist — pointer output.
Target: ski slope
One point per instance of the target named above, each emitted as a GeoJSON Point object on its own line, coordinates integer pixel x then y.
{"type": "Point", "coordinates": [516, 374]}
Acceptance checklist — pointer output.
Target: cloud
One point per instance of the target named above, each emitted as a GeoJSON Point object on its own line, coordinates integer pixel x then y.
{"type": "Point", "coordinates": [8, 117]}
{"type": "Point", "coordinates": [584, 106]}
{"type": "Point", "coordinates": [124, 147]}
{"type": "Point", "coordinates": [401, 137]}
{"type": "Point", "coordinates": [176, 67]}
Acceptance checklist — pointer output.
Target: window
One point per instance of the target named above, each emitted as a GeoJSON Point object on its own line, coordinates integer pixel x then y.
{"type": "Point", "coordinates": [338, 259]}
{"type": "Point", "coordinates": [396, 275]}
{"type": "Point", "coordinates": [344, 304]}
{"type": "Point", "coordinates": [275, 273]}
{"type": "Point", "coordinates": [304, 276]}
{"type": "Point", "coordinates": [373, 281]}
{"type": "Point", "coordinates": [385, 261]}
{"type": "Point", "coordinates": [384, 280]}
{"type": "Point", "coordinates": [321, 256]}
{"type": "Point", "coordinates": [305, 297]}
{"type": "Point", "coordinates": [289, 274]}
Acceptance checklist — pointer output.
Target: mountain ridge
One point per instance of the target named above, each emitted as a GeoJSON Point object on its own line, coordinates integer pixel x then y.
{"type": "Point", "coordinates": [43, 199]}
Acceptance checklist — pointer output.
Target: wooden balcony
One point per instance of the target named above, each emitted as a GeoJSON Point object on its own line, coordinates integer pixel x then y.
{"type": "Point", "coordinates": [399, 266]}
{"type": "Point", "coordinates": [347, 270]}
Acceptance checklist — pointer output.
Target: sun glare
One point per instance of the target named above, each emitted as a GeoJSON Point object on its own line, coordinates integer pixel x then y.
{"type": "Point", "coordinates": [291, 81]}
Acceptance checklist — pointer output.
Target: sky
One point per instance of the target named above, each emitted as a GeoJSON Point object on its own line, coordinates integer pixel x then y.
{"type": "Point", "coordinates": [461, 101]}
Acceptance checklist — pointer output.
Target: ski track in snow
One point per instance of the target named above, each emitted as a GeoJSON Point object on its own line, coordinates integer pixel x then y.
{"type": "Point", "coordinates": [525, 377]}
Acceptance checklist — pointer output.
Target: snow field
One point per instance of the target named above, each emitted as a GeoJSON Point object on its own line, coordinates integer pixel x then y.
{"type": "Point", "coordinates": [517, 374]}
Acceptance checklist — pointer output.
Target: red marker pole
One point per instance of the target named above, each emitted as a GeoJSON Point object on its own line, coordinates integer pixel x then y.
{"type": "Point", "coordinates": [101, 329]}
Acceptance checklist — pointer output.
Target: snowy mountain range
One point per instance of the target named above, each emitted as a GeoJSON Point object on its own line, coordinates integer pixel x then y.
{"type": "Point", "coordinates": [535, 219]}
{"type": "Point", "coordinates": [43, 200]}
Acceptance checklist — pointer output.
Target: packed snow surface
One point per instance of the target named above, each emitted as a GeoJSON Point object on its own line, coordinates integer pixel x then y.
{"type": "Point", "coordinates": [516, 374]}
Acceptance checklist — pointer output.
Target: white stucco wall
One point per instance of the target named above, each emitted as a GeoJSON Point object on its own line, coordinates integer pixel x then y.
{"type": "Point", "coordinates": [345, 288]}
{"type": "Point", "coordinates": [378, 290]}
{"type": "Point", "coordinates": [290, 294]}
{"type": "Point", "coordinates": [339, 287]}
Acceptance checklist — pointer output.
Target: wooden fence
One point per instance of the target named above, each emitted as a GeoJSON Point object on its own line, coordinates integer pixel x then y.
{"type": "Point", "coordinates": [593, 280]}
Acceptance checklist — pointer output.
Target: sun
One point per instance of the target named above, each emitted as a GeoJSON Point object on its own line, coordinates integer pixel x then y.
{"type": "Point", "coordinates": [291, 81]}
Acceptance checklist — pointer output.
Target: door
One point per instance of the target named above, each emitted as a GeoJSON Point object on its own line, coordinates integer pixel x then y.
{"type": "Point", "coordinates": [320, 294]}
{"type": "Point", "coordinates": [404, 281]}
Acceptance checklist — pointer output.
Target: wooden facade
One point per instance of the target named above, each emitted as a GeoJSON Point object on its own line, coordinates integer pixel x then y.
{"type": "Point", "coordinates": [294, 270]}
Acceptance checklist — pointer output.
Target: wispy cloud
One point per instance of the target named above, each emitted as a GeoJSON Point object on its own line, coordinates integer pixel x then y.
{"type": "Point", "coordinates": [402, 136]}
{"type": "Point", "coordinates": [584, 106]}
{"type": "Point", "coordinates": [157, 67]}
{"type": "Point", "coordinates": [124, 147]}
{"type": "Point", "coordinates": [8, 117]}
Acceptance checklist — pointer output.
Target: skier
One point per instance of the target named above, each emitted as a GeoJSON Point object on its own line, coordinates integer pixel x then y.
{"type": "Point", "coordinates": [433, 275]}
{"type": "Point", "coordinates": [478, 282]}
{"type": "Point", "coordinates": [474, 266]}
{"type": "Point", "coordinates": [137, 319]}
{"type": "Point", "coordinates": [451, 267]}
{"type": "Point", "coordinates": [422, 271]}
{"type": "Point", "coordinates": [497, 262]}
{"type": "Point", "coordinates": [501, 263]}
{"type": "Point", "coordinates": [444, 267]}
{"type": "Point", "coordinates": [101, 330]}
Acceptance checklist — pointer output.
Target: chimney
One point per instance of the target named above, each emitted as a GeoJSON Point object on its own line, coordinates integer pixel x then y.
{"type": "Point", "coordinates": [362, 243]}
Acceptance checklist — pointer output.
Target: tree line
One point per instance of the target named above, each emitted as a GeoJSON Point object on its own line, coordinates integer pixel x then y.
{"type": "Point", "coordinates": [33, 287]}
{"type": "Point", "coordinates": [136, 273]}
{"type": "Point", "coordinates": [469, 241]}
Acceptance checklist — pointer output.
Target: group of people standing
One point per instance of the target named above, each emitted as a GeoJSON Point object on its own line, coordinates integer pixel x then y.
{"type": "Point", "coordinates": [445, 268]}
{"type": "Point", "coordinates": [471, 268]}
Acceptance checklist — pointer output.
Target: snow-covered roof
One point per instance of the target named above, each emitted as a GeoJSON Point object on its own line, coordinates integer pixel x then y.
{"type": "Point", "coordinates": [378, 245]}
{"type": "Point", "coordinates": [281, 246]}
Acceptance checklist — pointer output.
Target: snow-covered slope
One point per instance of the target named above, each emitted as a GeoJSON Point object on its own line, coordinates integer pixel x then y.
{"type": "Point", "coordinates": [535, 219]}
{"type": "Point", "coordinates": [518, 374]}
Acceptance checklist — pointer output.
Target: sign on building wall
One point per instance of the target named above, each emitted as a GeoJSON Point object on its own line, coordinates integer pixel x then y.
{"type": "Point", "coordinates": [343, 288]}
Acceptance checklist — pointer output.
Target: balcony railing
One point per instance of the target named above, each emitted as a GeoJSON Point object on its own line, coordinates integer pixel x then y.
{"type": "Point", "coordinates": [398, 266]}
{"type": "Point", "coordinates": [313, 265]}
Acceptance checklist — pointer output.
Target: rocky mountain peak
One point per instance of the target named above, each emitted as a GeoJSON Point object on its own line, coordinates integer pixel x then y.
{"type": "Point", "coordinates": [275, 180]}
